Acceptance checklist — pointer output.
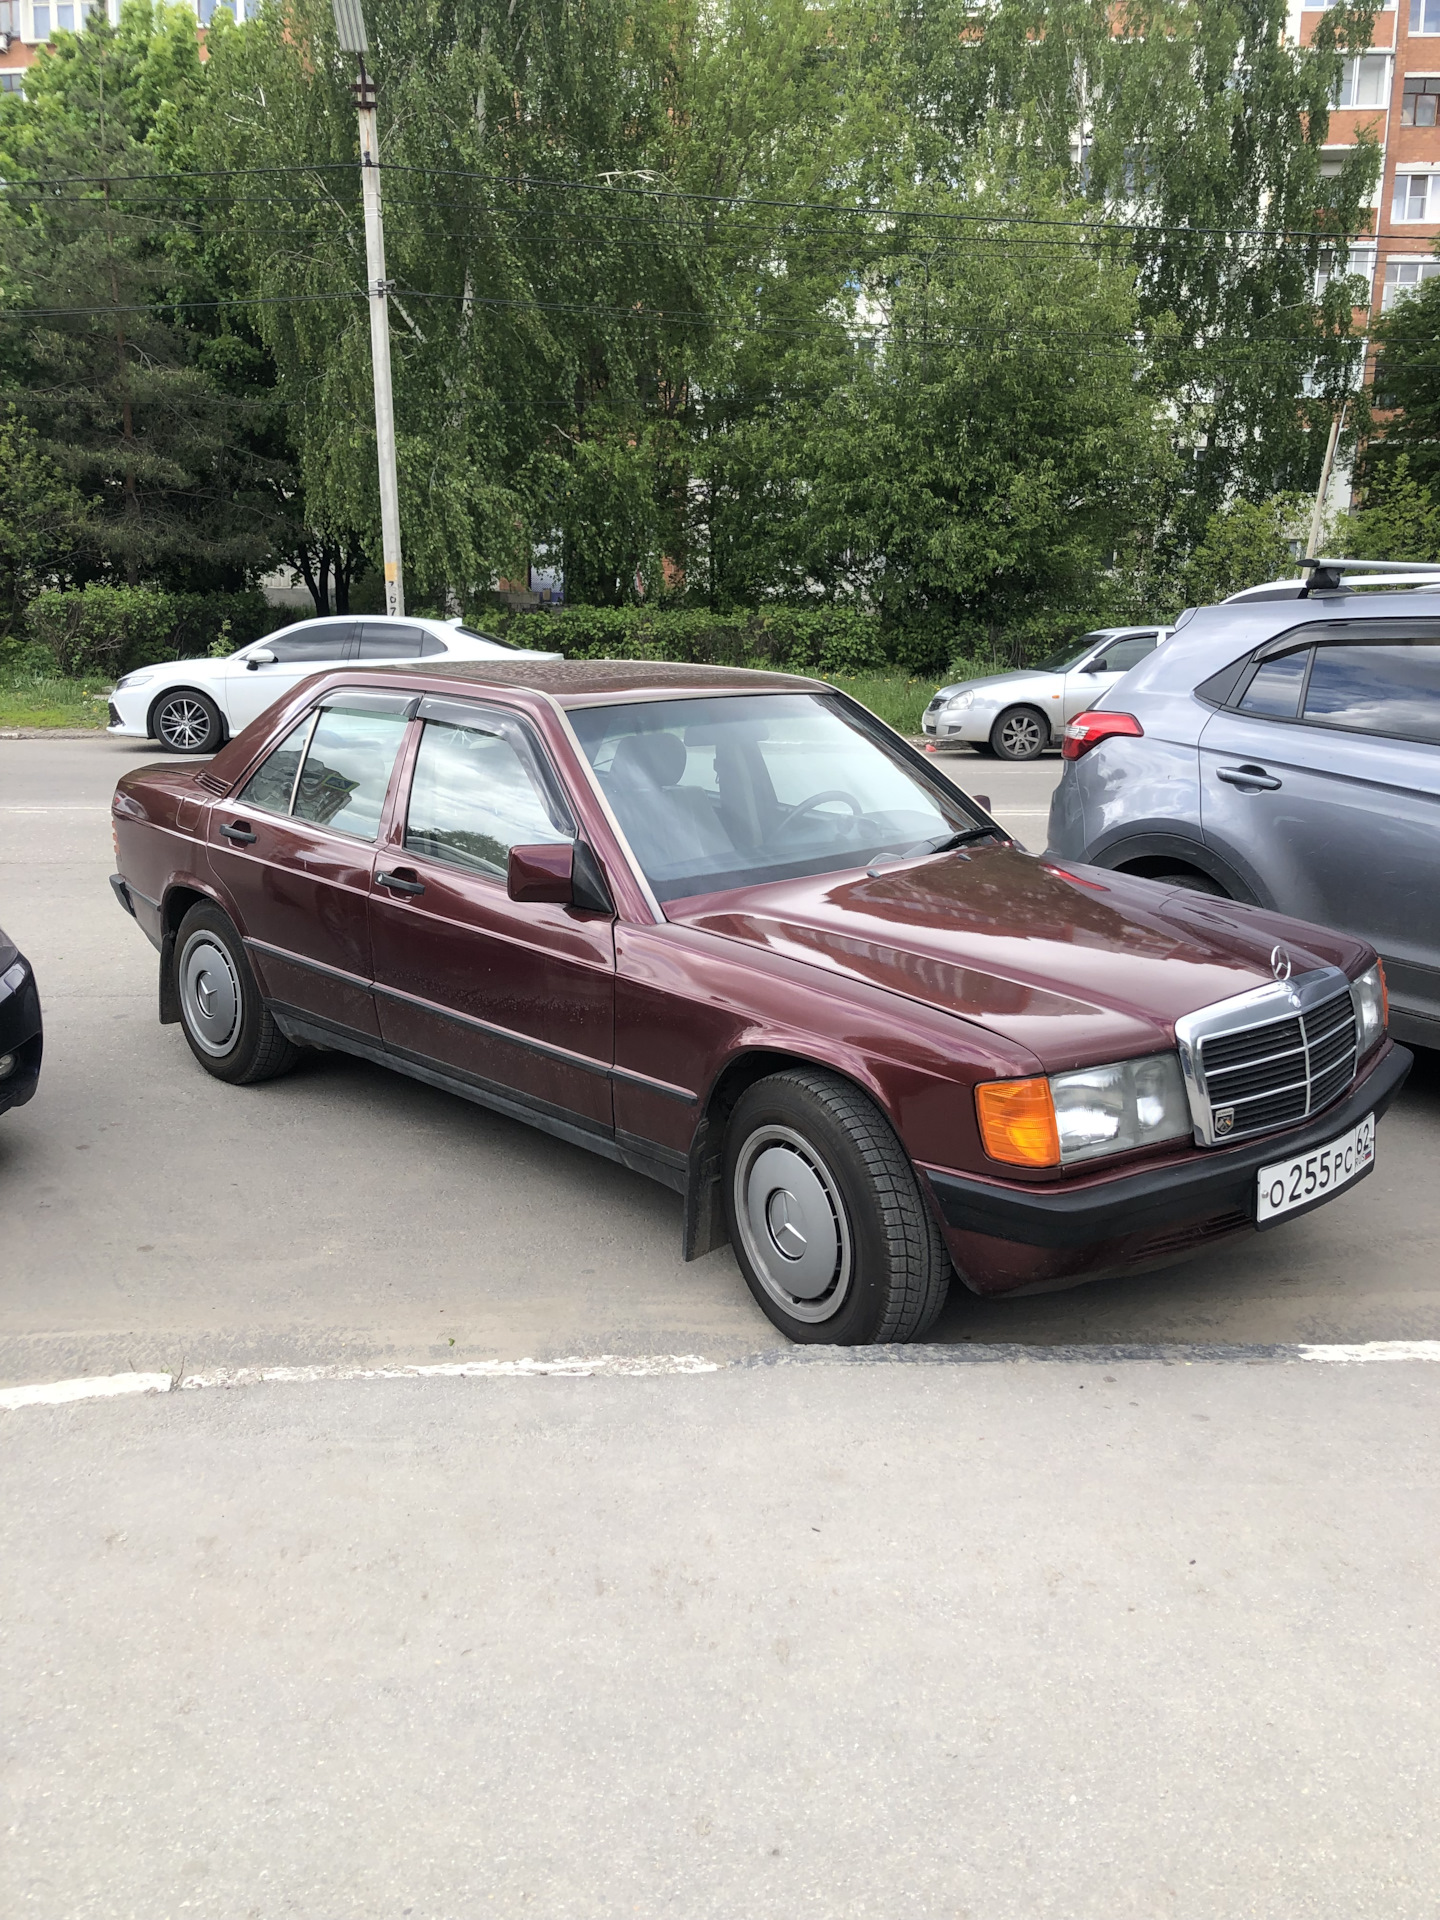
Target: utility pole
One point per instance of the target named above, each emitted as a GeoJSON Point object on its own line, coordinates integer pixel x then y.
{"type": "Point", "coordinates": [1317, 518]}
{"type": "Point", "coordinates": [350, 29]}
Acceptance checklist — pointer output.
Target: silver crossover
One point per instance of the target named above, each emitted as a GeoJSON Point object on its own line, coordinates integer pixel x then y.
{"type": "Point", "coordinates": [1286, 754]}
{"type": "Point", "coordinates": [1017, 715]}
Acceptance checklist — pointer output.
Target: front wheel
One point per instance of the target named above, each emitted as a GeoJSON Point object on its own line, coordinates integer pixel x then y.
{"type": "Point", "coordinates": [826, 1217]}
{"type": "Point", "coordinates": [1189, 881]}
{"type": "Point", "coordinates": [229, 1027]}
{"type": "Point", "coordinates": [1021, 733]}
{"type": "Point", "coordinates": [187, 722]}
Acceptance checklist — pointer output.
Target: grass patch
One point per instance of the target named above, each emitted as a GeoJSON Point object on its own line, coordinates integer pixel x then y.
{"type": "Point", "coordinates": [31, 699]}
{"type": "Point", "coordinates": [897, 699]}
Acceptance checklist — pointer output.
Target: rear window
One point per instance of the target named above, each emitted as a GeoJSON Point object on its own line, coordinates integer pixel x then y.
{"type": "Point", "coordinates": [494, 639]}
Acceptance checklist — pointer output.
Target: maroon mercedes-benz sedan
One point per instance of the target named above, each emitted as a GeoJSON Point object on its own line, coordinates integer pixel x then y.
{"type": "Point", "coordinates": [728, 929]}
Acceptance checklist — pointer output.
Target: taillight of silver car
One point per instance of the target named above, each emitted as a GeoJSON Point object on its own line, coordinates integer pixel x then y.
{"type": "Point", "coordinates": [1087, 730]}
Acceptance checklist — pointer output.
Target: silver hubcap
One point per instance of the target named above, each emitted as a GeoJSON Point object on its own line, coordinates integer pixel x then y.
{"type": "Point", "coordinates": [792, 1224]}
{"type": "Point", "coordinates": [183, 723]}
{"type": "Point", "coordinates": [1020, 736]}
{"type": "Point", "coordinates": [209, 995]}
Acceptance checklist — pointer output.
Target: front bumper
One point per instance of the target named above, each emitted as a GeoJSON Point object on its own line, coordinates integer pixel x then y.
{"type": "Point", "coordinates": [967, 725]}
{"type": "Point", "coordinates": [130, 713]}
{"type": "Point", "coordinates": [21, 1037]}
{"type": "Point", "coordinates": [1008, 1238]}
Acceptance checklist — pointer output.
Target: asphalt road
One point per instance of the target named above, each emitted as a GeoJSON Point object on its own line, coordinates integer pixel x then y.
{"type": "Point", "coordinates": [156, 1219]}
{"type": "Point", "coordinates": [1109, 1641]}
{"type": "Point", "coordinates": [947, 1635]}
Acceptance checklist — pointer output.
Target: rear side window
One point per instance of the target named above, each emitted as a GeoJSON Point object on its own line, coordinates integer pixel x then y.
{"type": "Point", "coordinates": [273, 781]}
{"type": "Point", "coordinates": [317, 640]}
{"type": "Point", "coordinates": [379, 642]}
{"type": "Point", "coordinates": [347, 770]}
{"type": "Point", "coordinates": [1274, 691]}
{"type": "Point", "coordinates": [1391, 690]}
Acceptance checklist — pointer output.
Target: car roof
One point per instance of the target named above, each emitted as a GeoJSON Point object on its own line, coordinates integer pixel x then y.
{"type": "Point", "coordinates": [575, 683]}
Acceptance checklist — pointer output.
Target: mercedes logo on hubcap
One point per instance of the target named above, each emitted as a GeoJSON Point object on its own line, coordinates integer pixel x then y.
{"type": "Point", "coordinates": [782, 1215]}
{"type": "Point", "coordinates": [205, 994]}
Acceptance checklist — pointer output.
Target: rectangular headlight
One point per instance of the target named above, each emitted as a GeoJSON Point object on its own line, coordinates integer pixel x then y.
{"type": "Point", "coordinates": [1114, 1109]}
{"type": "Point", "coordinates": [1372, 1007]}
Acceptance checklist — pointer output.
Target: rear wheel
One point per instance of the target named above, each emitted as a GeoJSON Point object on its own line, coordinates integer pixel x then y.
{"type": "Point", "coordinates": [1021, 733]}
{"type": "Point", "coordinates": [828, 1223]}
{"type": "Point", "coordinates": [229, 1028]}
{"type": "Point", "coordinates": [187, 722]}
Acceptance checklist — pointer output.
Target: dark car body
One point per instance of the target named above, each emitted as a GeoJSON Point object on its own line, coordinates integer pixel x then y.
{"type": "Point", "coordinates": [22, 1038]}
{"type": "Point", "coordinates": [632, 1026]}
{"type": "Point", "coordinates": [1288, 755]}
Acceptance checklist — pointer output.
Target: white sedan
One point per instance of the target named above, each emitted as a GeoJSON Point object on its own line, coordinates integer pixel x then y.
{"type": "Point", "coordinates": [1017, 715]}
{"type": "Point", "coordinates": [194, 706]}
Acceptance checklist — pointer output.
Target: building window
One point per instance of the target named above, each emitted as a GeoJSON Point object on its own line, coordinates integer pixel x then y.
{"type": "Point", "coordinates": [12, 83]}
{"type": "Point", "coordinates": [1403, 277]}
{"type": "Point", "coordinates": [1365, 81]}
{"type": "Point", "coordinates": [1360, 265]}
{"type": "Point", "coordinates": [1421, 97]}
{"type": "Point", "coordinates": [40, 23]}
{"type": "Point", "coordinates": [1415, 197]}
{"type": "Point", "coordinates": [1425, 16]}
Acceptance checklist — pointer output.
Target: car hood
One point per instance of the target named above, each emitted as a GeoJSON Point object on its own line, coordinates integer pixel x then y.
{"type": "Point", "coordinates": [1000, 683]}
{"type": "Point", "coordinates": [1078, 967]}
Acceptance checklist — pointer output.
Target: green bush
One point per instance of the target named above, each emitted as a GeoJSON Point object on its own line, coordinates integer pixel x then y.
{"type": "Point", "coordinates": [109, 630]}
{"type": "Point", "coordinates": [824, 640]}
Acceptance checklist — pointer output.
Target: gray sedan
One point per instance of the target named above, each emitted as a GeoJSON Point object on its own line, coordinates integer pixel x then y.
{"type": "Point", "coordinates": [1283, 753]}
{"type": "Point", "coordinates": [1017, 715]}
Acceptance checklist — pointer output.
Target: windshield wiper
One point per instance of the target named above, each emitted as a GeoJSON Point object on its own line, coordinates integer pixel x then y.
{"type": "Point", "coordinates": [953, 840]}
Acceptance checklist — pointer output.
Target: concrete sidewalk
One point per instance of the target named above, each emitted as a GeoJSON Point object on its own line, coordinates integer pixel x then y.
{"type": "Point", "coordinates": [1092, 1638]}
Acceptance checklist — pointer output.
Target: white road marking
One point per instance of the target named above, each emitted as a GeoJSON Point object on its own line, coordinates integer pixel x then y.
{"type": "Point", "coordinates": [649, 1365]}
{"type": "Point", "coordinates": [101, 1387]}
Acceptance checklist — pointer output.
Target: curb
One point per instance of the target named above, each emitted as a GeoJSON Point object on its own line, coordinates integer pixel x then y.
{"type": "Point", "coordinates": [52, 733]}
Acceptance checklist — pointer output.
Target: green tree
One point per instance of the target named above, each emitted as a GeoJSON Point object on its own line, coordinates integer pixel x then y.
{"type": "Point", "coordinates": [119, 390]}
{"type": "Point", "coordinates": [1395, 519]}
{"type": "Point", "coordinates": [1407, 390]}
{"type": "Point", "coordinates": [1245, 543]}
{"type": "Point", "coordinates": [40, 517]}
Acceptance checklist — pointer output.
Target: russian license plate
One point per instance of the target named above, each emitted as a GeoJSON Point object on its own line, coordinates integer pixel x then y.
{"type": "Point", "coordinates": [1291, 1184]}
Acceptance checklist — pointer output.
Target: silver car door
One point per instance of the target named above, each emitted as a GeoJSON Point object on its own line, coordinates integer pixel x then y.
{"type": "Point", "coordinates": [1086, 684]}
{"type": "Point", "coordinates": [1332, 796]}
{"type": "Point", "coordinates": [300, 650]}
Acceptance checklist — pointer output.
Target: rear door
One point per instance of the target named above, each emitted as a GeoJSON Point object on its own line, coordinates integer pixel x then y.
{"type": "Point", "coordinates": [248, 690]}
{"type": "Point", "coordinates": [294, 852]}
{"type": "Point", "coordinates": [518, 997]}
{"type": "Point", "coordinates": [1085, 685]}
{"type": "Point", "coordinates": [1325, 774]}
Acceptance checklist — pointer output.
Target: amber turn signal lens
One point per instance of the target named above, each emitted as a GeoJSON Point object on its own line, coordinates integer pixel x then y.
{"type": "Point", "coordinates": [1017, 1122]}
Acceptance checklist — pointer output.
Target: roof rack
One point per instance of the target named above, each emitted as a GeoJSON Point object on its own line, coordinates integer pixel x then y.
{"type": "Point", "coordinates": [1325, 574]}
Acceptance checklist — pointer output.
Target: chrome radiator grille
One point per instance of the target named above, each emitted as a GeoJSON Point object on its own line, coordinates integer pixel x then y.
{"type": "Point", "coordinates": [1270, 1058]}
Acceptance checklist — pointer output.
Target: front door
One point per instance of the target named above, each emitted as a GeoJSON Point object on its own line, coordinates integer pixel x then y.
{"type": "Point", "coordinates": [294, 851]}
{"type": "Point", "coordinates": [1084, 686]}
{"type": "Point", "coordinates": [519, 998]}
{"type": "Point", "coordinates": [1325, 776]}
{"type": "Point", "coordinates": [247, 690]}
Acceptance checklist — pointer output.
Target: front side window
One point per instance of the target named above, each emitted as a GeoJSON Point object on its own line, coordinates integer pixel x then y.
{"type": "Point", "coordinates": [344, 761]}
{"type": "Point", "coordinates": [322, 640]}
{"type": "Point", "coordinates": [1064, 658]}
{"type": "Point", "coordinates": [736, 790]}
{"type": "Point", "coordinates": [475, 795]}
{"type": "Point", "coordinates": [1392, 690]}
{"type": "Point", "coordinates": [1121, 655]}
{"type": "Point", "coordinates": [1274, 692]}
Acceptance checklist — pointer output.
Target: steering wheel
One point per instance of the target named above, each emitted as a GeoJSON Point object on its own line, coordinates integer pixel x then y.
{"type": "Point", "coordinates": [818, 800]}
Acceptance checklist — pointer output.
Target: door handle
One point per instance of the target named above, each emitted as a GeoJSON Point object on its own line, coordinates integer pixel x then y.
{"type": "Point", "coordinates": [239, 833]}
{"type": "Point", "coordinates": [400, 882]}
{"type": "Point", "coordinates": [1248, 779]}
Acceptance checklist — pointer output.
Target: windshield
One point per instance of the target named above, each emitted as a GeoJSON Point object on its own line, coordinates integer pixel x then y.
{"type": "Point", "coordinates": [1070, 656]}
{"type": "Point", "coordinates": [731, 791]}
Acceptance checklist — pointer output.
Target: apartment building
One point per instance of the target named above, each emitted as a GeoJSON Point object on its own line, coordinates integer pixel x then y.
{"type": "Point", "coordinates": [26, 25]}
{"type": "Point", "coordinates": [1393, 93]}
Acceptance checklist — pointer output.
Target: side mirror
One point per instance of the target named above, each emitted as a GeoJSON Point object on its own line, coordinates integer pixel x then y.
{"type": "Point", "coordinates": [983, 800]}
{"type": "Point", "coordinates": [261, 657]}
{"type": "Point", "coordinates": [542, 874]}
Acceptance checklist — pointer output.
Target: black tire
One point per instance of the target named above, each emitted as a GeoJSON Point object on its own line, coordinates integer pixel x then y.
{"type": "Point", "coordinates": [983, 748]}
{"type": "Point", "coordinates": [1190, 881]}
{"type": "Point", "coordinates": [1021, 733]}
{"type": "Point", "coordinates": [837, 1169]}
{"type": "Point", "coordinates": [185, 720]}
{"type": "Point", "coordinates": [226, 1022]}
